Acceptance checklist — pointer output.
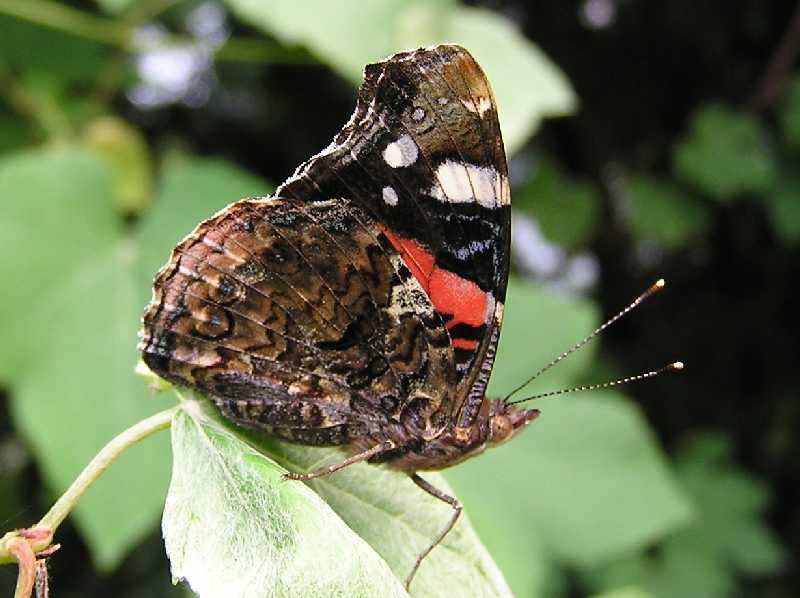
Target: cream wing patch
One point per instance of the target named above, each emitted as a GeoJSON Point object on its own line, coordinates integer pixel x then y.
{"type": "Point", "coordinates": [480, 107]}
{"type": "Point", "coordinates": [461, 182]}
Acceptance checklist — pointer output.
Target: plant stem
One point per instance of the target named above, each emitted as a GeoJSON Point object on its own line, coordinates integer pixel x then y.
{"type": "Point", "coordinates": [21, 546]}
{"type": "Point", "coordinates": [22, 552]}
{"type": "Point", "coordinates": [779, 68]}
{"type": "Point", "coordinates": [100, 463]}
{"type": "Point", "coordinates": [65, 18]}
{"type": "Point", "coordinates": [119, 33]}
{"type": "Point", "coordinates": [146, 10]}
{"type": "Point", "coordinates": [40, 107]}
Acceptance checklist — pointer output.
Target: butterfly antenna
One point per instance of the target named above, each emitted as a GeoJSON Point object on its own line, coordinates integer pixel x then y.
{"type": "Point", "coordinates": [671, 367]}
{"type": "Point", "coordinates": [654, 288]}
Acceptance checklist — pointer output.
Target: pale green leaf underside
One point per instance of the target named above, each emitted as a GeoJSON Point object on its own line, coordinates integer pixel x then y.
{"type": "Point", "coordinates": [528, 87]}
{"type": "Point", "coordinates": [229, 519]}
{"type": "Point", "coordinates": [233, 528]}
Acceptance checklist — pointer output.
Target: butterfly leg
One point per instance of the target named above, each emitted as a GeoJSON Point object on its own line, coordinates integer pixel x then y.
{"type": "Point", "coordinates": [457, 508]}
{"type": "Point", "coordinates": [362, 456]}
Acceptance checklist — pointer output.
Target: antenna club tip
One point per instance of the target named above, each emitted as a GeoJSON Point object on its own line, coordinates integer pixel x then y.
{"type": "Point", "coordinates": [654, 288]}
{"type": "Point", "coordinates": [678, 365]}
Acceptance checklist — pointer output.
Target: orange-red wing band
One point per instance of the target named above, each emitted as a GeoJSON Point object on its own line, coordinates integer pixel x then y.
{"type": "Point", "coordinates": [456, 298]}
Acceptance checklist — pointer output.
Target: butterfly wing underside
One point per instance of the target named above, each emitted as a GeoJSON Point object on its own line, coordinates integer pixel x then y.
{"type": "Point", "coordinates": [423, 154]}
{"type": "Point", "coordinates": [369, 288]}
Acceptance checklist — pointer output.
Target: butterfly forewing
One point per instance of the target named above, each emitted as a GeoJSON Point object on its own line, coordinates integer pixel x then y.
{"type": "Point", "coordinates": [423, 155]}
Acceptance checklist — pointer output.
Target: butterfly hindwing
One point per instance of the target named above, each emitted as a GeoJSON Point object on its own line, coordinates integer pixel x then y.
{"type": "Point", "coordinates": [293, 317]}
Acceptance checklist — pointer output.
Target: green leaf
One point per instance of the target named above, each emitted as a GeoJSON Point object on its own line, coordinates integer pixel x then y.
{"type": "Point", "coordinates": [725, 154]}
{"type": "Point", "coordinates": [526, 563]}
{"type": "Point", "coordinates": [566, 210]}
{"type": "Point", "coordinates": [384, 508]}
{"type": "Point", "coordinates": [191, 190]}
{"type": "Point", "coordinates": [784, 210]}
{"type": "Point", "coordinates": [790, 114]}
{"type": "Point", "coordinates": [664, 213]}
{"type": "Point", "coordinates": [80, 391]}
{"type": "Point", "coordinates": [731, 503]}
{"type": "Point", "coordinates": [528, 87]}
{"type": "Point", "coordinates": [538, 325]}
{"type": "Point", "coordinates": [56, 213]}
{"type": "Point", "coordinates": [587, 480]}
{"type": "Point", "coordinates": [626, 592]}
{"type": "Point", "coordinates": [33, 48]}
{"type": "Point", "coordinates": [68, 349]}
{"type": "Point", "coordinates": [728, 536]}
{"type": "Point", "coordinates": [71, 317]}
{"type": "Point", "coordinates": [333, 31]}
{"type": "Point", "coordinates": [115, 6]}
{"type": "Point", "coordinates": [14, 133]}
{"type": "Point", "coordinates": [248, 533]}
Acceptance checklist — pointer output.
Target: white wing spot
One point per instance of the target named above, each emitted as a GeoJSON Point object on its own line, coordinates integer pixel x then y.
{"type": "Point", "coordinates": [418, 114]}
{"type": "Point", "coordinates": [390, 196]}
{"type": "Point", "coordinates": [479, 108]}
{"type": "Point", "coordinates": [460, 182]}
{"type": "Point", "coordinates": [402, 152]}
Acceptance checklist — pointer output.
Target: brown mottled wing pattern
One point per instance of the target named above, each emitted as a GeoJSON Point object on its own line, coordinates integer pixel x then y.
{"type": "Point", "coordinates": [423, 155]}
{"type": "Point", "coordinates": [307, 313]}
{"type": "Point", "coordinates": [296, 318]}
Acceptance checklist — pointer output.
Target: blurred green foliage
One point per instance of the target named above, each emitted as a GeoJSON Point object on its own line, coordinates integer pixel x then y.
{"type": "Point", "coordinates": [90, 206]}
{"type": "Point", "coordinates": [704, 559]}
{"type": "Point", "coordinates": [725, 154]}
{"type": "Point", "coordinates": [664, 213]}
{"type": "Point", "coordinates": [548, 193]}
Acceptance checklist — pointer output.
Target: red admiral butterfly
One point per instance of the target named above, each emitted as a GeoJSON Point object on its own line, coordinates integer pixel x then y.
{"type": "Point", "coordinates": [360, 305]}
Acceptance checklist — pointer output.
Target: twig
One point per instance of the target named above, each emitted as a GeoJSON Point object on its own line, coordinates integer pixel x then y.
{"type": "Point", "coordinates": [779, 67]}
{"type": "Point", "coordinates": [26, 560]}
{"type": "Point", "coordinates": [100, 463]}
{"type": "Point", "coordinates": [40, 536]}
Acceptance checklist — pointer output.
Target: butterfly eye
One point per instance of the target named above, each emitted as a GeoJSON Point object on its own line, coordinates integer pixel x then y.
{"type": "Point", "coordinates": [501, 429]}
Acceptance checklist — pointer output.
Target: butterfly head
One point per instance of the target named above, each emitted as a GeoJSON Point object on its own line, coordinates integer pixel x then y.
{"type": "Point", "coordinates": [504, 420]}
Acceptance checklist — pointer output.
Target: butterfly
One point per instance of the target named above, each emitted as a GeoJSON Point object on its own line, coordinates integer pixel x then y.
{"type": "Point", "coordinates": [360, 305]}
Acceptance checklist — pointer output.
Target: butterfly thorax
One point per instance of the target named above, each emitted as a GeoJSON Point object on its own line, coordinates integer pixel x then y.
{"type": "Point", "coordinates": [496, 423]}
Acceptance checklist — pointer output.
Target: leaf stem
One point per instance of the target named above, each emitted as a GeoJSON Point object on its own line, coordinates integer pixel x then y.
{"type": "Point", "coordinates": [119, 33]}
{"type": "Point", "coordinates": [23, 554]}
{"type": "Point", "coordinates": [779, 68]}
{"type": "Point", "coordinates": [146, 10]}
{"type": "Point", "coordinates": [47, 525]}
{"type": "Point", "coordinates": [39, 107]}
{"type": "Point", "coordinates": [108, 454]}
{"type": "Point", "coordinates": [68, 19]}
